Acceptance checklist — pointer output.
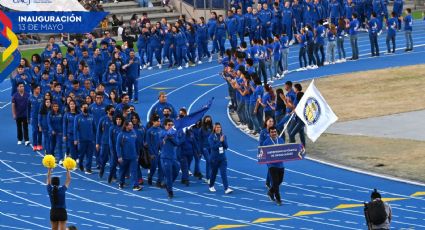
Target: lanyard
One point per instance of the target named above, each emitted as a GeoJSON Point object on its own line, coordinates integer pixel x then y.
{"type": "Point", "coordinates": [277, 141]}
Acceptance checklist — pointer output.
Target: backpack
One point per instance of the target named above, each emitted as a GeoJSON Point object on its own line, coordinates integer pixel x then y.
{"type": "Point", "coordinates": [144, 158]}
{"type": "Point", "coordinates": [377, 213]}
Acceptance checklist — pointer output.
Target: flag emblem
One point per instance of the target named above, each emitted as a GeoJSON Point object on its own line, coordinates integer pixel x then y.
{"type": "Point", "coordinates": [312, 111]}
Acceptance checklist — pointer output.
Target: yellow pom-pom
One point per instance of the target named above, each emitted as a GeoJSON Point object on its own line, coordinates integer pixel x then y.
{"type": "Point", "coordinates": [69, 163]}
{"type": "Point", "coordinates": [49, 161]}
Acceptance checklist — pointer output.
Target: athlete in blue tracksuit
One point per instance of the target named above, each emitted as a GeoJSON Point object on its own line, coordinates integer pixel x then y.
{"type": "Point", "coordinates": [297, 10]}
{"type": "Point", "coordinates": [55, 123]}
{"type": "Point", "coordinates": [43, 124]}
{"type": "Point", "coordinates": [35, 102]}
{"type": "Point", "coordinates": [191, 40]}
{"type": "Point", "coordinates": [187, 150]}
{"type": "Point", "coordinates": [354, 27]}
{"type": "Point", "coordinates": [205, 145]}
{"type": "Point", "coordinates": [334, 11]}
{"type": "Point", "coordinates": [378, 8]}
{"type": "Point", "coordinates": [265, 18]}
{"type": "Point", "coordinates": [132, 68]}
{"type": "Point", "coordinates": [141, 133]}
{"type": "Point", "coordinates": [349, 9]}
{"type": "Point", "coordinates": [408, 22]}
{"type": "Point", "coordinates": [218, 144]}
{"type": "Point", "coordinates": [220, 34]}
{"type": "Point", "coordinates": [168, 43]}
{"type": "Point", "coordinates": [112, 79]}
{"type": "Point", "coordinates": [84, 137]}
{"type": "Point", "coordinates": [253, 25]}
{"type": "Point", "coordinates": [241, 25]}
{"type": "Point", "coordinates": [68, 129]}
{"type": "Point", "coordinates": [374, 28]}
{"type": "Point", "coordinates": [114, 130]}
{"type": "Point", "coordinates": [391, 32]}
{"type": "Point", "coordinates": [154, 46]}
{"type": "Point", "coordinates": [320, 43]}
{"type": "Point", "coordinates": [212, 23]}
{"type": "Point", "coordinates": [276, 19]}
{"type": "Point", "coordinates": [181, 43]}
{"type": "Point", "coordinates": [126, 147]}
{"type": "Point", "coordinates": [153, 142]}
{"type": "Point", "coordinates": [97, 109]}
{"type": "Point", "coordinates": [170, 165]}
{"type": "Point", "coordinates": [142, 42]}
{"type": "Point", "coordinates": [398, 9]}
{"type": "Point", "coordinates": [287, 20]}
{"type": "Point", "coordinates": [202, 40]}
{"type": "Point", "coordinates": [196, 130]}
{"type": "Point", "coordinates": [102, 137]}
{"type": "Point", "coordinates": [232, 26]}
{"type": "Point", "coordinates": [159, 107]}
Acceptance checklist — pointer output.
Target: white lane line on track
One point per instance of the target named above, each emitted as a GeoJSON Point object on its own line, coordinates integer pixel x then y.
{"type": "Point", "coordinates": [255, 159]}
{"type": "Point", "coordinates": [25, 221]}
{"type": "Point", "coordinates": [148, 199]}
{"type": "Point", "coordinates": [11, 227]}
{"type": "Point", "coordinates": [91, 201]}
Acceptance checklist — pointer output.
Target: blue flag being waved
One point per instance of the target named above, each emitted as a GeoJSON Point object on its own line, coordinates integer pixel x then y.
{"type": "Point", "coordinates": [192, 118]}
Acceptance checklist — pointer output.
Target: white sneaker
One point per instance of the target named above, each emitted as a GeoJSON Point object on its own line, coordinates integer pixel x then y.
{"type": "Point", "coordinates": [315, 67]}
{"type": "Point", "coordinates": [187, 65]}
{"type": "Point", "coordinates": [338, 61]}
{"type": "Point", "coordinates": [326, 63]}
{"type": "Point", "coordinates": [159, 66]}
{"type": "Point", "coordinates": [199, 62]}
{"type": "Point", "coordinates": [228, 191]}
{"type": "Point", "coordinates": [285, 72]}
{"type": "Point", "coordinates": [141, 67]}
{"type": "Point", "coordinates": [212, 189]}
{"type": "Point", "coordinates": [309, 67]}
{"type": "Point", "coordinates": [19, 142]}
{"type": "Point", "coordinates": [77, 161]}
{"type": "Point", "coordinates": [180, 68]}
{"type": "Point", "coordinates": [281, 76]}
{"type": "Point", "coordinates": [27, 143]}
{"type": "Point", "coordinates": [304, 68]}
{"type": "Point", "coordinates": [60, 162]}
{"type": "Point", "coordinates": [150, 67]}
{"type": "Point", "coordinates": [190, 173]}
{"type": "Point", "coordinates": [210, 59]}
{"type": "Point", "coordinates": [343, 60]}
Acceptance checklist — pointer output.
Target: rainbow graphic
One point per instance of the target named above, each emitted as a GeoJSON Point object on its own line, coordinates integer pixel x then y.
{"type": "Point", "coordinates": [10, 56]}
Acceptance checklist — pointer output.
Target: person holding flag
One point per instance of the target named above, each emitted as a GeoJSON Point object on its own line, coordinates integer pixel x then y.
{"type": "Point", "coordinates": [276, 170]}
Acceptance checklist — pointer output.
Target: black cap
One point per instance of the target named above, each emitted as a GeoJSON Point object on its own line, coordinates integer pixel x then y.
{"type": "Point", "coordinates": [375, 194]}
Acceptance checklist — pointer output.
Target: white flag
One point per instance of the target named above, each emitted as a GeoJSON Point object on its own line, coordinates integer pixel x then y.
{"type": "Point", "coordinates": [43, 5]}
{"type": "Point", "coordinates": [315, 112]}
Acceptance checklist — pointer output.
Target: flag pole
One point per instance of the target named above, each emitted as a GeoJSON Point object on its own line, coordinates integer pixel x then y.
{"type": "Point", "coordinates": [286, 124]}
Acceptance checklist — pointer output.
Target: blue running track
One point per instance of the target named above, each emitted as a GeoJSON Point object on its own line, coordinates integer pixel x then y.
{"type": "Point", "coordinates": [315, 195]}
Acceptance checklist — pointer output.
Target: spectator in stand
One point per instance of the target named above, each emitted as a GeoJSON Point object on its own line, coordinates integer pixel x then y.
{"type": "Point", "coordinates": [115, 23]}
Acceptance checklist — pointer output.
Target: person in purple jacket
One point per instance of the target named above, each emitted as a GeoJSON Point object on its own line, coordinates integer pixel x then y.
{"type": "Point", "coordinates": [20, 101]}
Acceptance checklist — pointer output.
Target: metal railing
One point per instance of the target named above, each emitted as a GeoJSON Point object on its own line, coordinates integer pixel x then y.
{"type": "Point", "coordinates": [207, 4]}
